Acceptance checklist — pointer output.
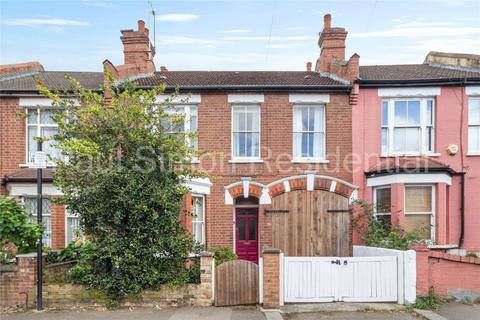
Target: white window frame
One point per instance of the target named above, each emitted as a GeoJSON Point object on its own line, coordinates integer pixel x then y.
{"type": "Point", "coordinates": [475, 125]}
{"type": "Point", "coordinates": [300, 159]}
{"type": "Point", "coordinates": [196, 195]}
{"type": "Point", "coordinates": [187, 113]}
{"type": "Point", "coordinates": [68, 214]}
{"type": "Point", "coordinates": [432, 214]}
{"type": "Point", "coordinates": [423, 126]}
{"type": "Point", "coordinates": [253, 158]}
{"type": "Point", "coordinates": [375, 201]}
{"type": "Point", "coordinates": [39, 130]}
{"type": "Point", "coordinates": [47, 242]}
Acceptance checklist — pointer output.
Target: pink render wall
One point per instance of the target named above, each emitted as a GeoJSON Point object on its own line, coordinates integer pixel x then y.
{"type": "Point", "coordinates": [451, 113]}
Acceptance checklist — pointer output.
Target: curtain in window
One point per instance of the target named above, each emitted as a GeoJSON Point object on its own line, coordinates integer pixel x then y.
{"type": "Point", "coordinates": [318, 135]}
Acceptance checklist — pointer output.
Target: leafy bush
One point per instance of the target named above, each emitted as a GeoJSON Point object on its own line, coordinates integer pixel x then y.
{"type": "Point", "coordinates": [471, 255]}
{"type": "Point", "coordinates": [15, 227]}
{"type": "Point", "coordinates": [125, 178]}
{"type": "Point", "coordinates": [223, 254]}
{"type": "Point", "coordinates": [374, 233]}
{"type": "Point", "coordinates": [430, 302]}
{"type": "Point", "coordinates": [69, 253]}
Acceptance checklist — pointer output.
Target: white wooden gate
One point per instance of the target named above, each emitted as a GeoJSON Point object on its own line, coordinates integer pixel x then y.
{"type": "Point", "coordinates": [353, 279]}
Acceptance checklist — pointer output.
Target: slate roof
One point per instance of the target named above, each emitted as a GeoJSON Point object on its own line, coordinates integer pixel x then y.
{"type": "Point", "coordinates": [192, 80]}
{"type": "Point", "coordinates": [415, 72]}
{"type": "Point", "coordinates": [392, 165]}
{"type": "Point", "coordinates": [54, 80]}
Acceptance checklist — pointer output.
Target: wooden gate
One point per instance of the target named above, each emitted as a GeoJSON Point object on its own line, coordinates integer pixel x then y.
{"type": "Point", "coordinates": [236, 283]}
{"type": "Point", "coordinates": [311, 223]}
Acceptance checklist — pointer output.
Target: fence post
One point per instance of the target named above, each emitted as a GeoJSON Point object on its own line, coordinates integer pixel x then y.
{"type": "Point", "coordinates": [207, 272]}
{"type": "Point", "coordinates": [271, 278]}
{"type": "Point", "coordinates": [423, 276]}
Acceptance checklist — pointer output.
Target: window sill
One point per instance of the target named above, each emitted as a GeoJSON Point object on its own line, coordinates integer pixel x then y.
{"type": "Point", "coordinates": [473, 154]}
{"type": "Point", "coordinates": [245, 161]}
{"type": "Point", "coordinates": [389, 155]}
{"type": "Point", "coordinates": [309, 160]}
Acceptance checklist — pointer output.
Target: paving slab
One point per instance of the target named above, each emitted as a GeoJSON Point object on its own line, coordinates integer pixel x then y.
{"type": "Point", "coordinates": [353, 315]}
{"type": "Point", "coordinates": [210, 313]}
{"type": "Point", "coordinates": [460, 311]}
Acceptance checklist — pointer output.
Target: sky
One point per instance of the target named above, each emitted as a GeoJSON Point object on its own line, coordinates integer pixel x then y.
{"type": "Point", "coordinates": [233, 35]}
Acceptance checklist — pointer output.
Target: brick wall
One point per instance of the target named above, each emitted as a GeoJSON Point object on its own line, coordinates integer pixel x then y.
{"type": "Point", "coordinates": [446, 273]}
{"type": "Point", "coordinates": [214, 136]}
{"type": "Point", "coordinates": [17, 281]}
{"type": "Point", "coordinates": [271, 278]}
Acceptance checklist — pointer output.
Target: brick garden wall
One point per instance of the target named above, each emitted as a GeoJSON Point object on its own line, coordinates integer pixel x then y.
{"type": "Point", "coordinates": [446, 273]}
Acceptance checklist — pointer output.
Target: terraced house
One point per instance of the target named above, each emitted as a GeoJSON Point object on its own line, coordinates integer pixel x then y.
{"type": "Point", "coordinates": [290, 150]}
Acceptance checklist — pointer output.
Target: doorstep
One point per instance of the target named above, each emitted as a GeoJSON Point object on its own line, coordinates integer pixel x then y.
{"type": "Point", "coordinates": [340, 306]}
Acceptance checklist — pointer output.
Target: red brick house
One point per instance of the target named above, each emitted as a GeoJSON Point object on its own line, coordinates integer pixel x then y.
{"type": "Point", "coordinates": [279, 141]}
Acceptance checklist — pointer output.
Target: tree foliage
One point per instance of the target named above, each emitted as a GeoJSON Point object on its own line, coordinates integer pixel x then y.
{"type": "Point", "coordinates": [15, 227]}
{"type": "Point", "coordinates": [125, 177]}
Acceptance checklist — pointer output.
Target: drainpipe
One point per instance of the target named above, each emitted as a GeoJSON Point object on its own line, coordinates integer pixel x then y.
{"type": "Point", "coordinates": [462, 210]}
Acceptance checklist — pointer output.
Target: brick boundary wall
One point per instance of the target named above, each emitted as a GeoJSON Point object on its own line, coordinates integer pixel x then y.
{"type": "Point", "coordinates": [447, 274]}
{"type": "Point", "coordinates": [21, 278]}
{"type": "Point", "coordinates": [271, 278]}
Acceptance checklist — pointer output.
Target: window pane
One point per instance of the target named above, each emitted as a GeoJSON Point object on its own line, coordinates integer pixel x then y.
{"type": "Point", "coordinates": [384, 113]}
{"type": "Point", "coordinates": [305, 119]}
{"type": "Point", "coordinates": [383, 201]}
{"type": "Point", "coordinates": [197, 232]}
{"type": "Point", "coordinates": [419, 223]}
{"type": "Point", "coordinates": [317, 113]}
{"type": "Point", "coordinates": [430, 112]}
{"type": "Point", "coordinates": [32, 144]}
{"type": "Point", "coordinates": [31, 209]}
{"type": "Point", "coordinates": [474, 111]}
{"type": "Point", "coordinates": [385, 219]}
{"type": "Point", "coordinates": [241, 229]}
{"type": "Point", "coordinates": [413, 112]}
{"type": "Point", "coordinates": [400, 112]}
{"type": "Point", "coordinates": [239, 144]}
{"type": "Point", "coordinates": [48, 145]}
{"type": "Point", "coordinates": [238, 119]}
{"type": "Point", "coordinates": [429, 139]}
{"type": "Point", "coordinates": [73, 228]}
{"type": "Point", "coordinates": [474, 139]}
{"type": "Point", "coordinates": [46, 116]}
{"type": "Point", "coordinates": [297, 119]}
{"type": "Point", "coordinates": [32, 116]}
{"type": "Point", "coordinates": [406, 139]}
{"type": "Point", "coordinates": [197, 208]}
{"type": "Point", "coordinates": [384, 140]}
{"type": "Point", "coordinates": [252, 225]}
{"type": "Point", "coordinates": [318, 151]}
{"type": "Point", "coordinates": [307, 145]}
{"type": "Point", "coordinates": [418, 199]}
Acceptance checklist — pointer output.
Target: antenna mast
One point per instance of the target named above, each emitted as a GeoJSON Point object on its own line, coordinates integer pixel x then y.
{"type": "Point", "coordinates": [154, 24]}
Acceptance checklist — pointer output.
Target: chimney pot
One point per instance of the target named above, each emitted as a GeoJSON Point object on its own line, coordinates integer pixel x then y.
{"type": "Point", "coordinates": [141, 25]}
{"type": "Point", "coordinates": [309, 66]}
{"type": "Point", "coordinates": [163, 69]}
{"type": "Point", "coordinates": [327, 21]}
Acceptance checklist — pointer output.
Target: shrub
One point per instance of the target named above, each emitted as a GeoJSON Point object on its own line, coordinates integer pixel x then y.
{"type": "Point", "coordinates": [15, 227]}
{"type": "Point", "coordinates": [430, 302]}
{"type": "Point", "coordinates": [71, 252]}
{"type": "Point", "coordinates": [374, 233]}
{"type": "Point", "coordinates": [223, 254]}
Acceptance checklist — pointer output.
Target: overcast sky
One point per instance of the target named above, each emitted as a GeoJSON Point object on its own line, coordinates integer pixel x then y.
{"type": "Point", "coordinates": [233, 35]}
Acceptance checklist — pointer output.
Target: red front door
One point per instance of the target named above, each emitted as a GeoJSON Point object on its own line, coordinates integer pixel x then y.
{"type": "Point", "coordinates": [247, 233]}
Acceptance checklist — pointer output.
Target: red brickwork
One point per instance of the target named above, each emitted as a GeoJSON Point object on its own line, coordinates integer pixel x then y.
{"type": "Point", "coordinates": [271, 278]}
{"type": "Point", "coordinates": [58, 225]}
{"type": "Point", "coordinates": [446, 272]}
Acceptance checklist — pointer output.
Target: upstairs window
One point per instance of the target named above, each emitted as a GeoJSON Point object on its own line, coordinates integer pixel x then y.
{"type": "Point", "coordinates": [309, 132]}
{"type": "Point", "coordinates": [41, 123]}
{"type": "Point", "coordinates": [246, 132]}
{"type": "Point", "coordinates": [189, 125]}
{"type": "Point", "coordinates": [407, 126]}
{"type": "Point", "coordinates": [474, 126]}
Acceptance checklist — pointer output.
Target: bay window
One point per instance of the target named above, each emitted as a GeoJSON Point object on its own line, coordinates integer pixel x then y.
{"type": "Point", "coordinates": [419, 210]}
{"type": "Point", "coordinates": [382, 204]}
{"type": "Point", "coordinates": [309, 132]}
{"type": "Point", "coordinates": [246, 132]}
{"type": "Point", "coordinates": [30, 204]}
{"type": "Point", "coordinates": [407, 126]}
{"type": "Point", "coordinates": [41, 123]}
{"type": "Point", "coordinates": [198, 219]}
{"type": "Point", "coordinates": [474, 125]}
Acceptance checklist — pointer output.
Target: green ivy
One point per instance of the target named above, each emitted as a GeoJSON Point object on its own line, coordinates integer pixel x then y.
{"type": "Point", "coordinates": [125, 178]}
{"type": "Point", "coordinates": [15, 227]}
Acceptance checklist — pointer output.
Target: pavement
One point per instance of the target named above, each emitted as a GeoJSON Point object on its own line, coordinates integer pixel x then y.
{"type": "Point", "coordinates": [211, 313]}
{"type": "Point", "coordinates": [460, 311]}
{"type": "Point", "coordinates": [354, 315]}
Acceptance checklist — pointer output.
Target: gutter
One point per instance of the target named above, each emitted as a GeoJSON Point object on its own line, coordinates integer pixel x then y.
{"type": "Point", "coordinates": [386, 172]}
{"type": "Point", "coordinates": [417, 83]}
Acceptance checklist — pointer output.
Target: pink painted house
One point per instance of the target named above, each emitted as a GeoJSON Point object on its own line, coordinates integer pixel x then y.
{"type": "Point", "coordinates": [417, 137]}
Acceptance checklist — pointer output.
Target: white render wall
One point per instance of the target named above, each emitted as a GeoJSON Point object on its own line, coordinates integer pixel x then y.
{"type": "Point", "coordinates": [407, 269]}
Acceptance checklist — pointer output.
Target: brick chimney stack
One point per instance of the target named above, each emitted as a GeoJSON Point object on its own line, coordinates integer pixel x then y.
{"type": "Point", "coordinates": [137, 49]}
{"type": "Point", "coordinates": [309, 66]}
{"type": "Point", "coordinates": [332, 52]}
{"type": "Point", "coordinates": [332, 45]}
